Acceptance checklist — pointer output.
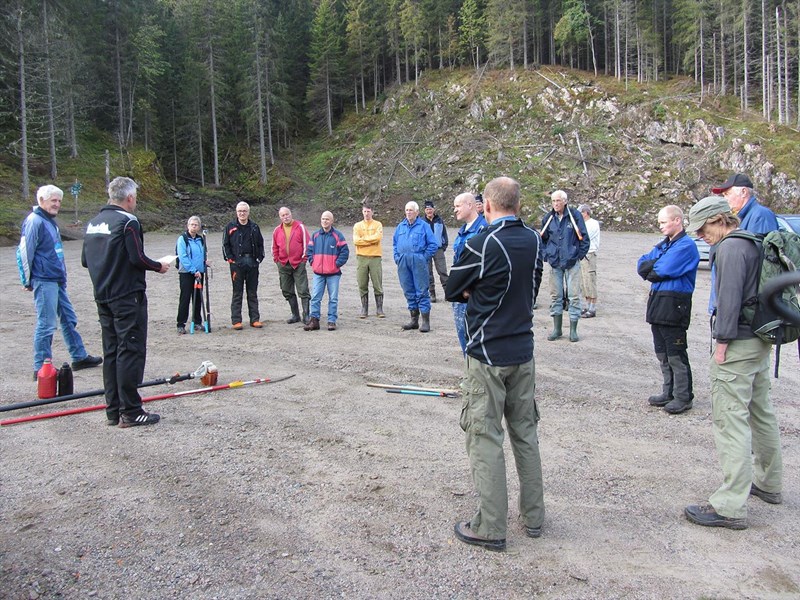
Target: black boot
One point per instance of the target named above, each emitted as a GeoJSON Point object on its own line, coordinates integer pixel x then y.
{"type": "Point", "coordinates": [379, 306]}
{"type": "Point", "coordinates": [425, 327]}
{"type": "Point", "coordinates": [414, 323]}
{"type": "Point", "coordinates": [665, 397]}
{"type": "Point", "coordinates": [364, 307]}
{"type": "Point", "coordinates": [681, 386]}
{"type": "Point", "coordinates": [306, 310]}
{"type": "Point", "coordinates": [295, 318]}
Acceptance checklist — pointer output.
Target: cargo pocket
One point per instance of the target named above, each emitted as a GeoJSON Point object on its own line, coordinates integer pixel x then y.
{"type": "Point", "coordinates": [473, 407]}
{"type": "Point", "coordinates": [723, 398]}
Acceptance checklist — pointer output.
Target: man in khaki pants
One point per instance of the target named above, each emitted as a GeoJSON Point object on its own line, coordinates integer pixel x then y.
{"type": "Point", "coordinates": [746, 431]}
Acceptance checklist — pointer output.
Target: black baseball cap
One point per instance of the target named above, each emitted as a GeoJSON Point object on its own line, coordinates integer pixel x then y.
{"type": "Point", "coordinates": [735, 180]}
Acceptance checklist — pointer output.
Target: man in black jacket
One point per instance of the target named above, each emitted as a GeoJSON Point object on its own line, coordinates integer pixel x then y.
{"type": "Point", "coordinates": [113, 251]}
{"type": "Point", "coordinates": [243, 249]}
{"type": "Point", "coordinates": [498, 276]}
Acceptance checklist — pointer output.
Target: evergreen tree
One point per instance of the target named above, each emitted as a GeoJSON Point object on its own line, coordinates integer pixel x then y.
{"type": "Point", "coordinates": [326, 61]}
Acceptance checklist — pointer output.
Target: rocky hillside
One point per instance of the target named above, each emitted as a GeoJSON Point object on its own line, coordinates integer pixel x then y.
{"type": "Point", "coordinates": [626, 152]}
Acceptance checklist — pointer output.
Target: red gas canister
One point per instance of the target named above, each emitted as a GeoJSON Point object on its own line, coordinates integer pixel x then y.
{"type": "Point", "coordinates": [47, 379]}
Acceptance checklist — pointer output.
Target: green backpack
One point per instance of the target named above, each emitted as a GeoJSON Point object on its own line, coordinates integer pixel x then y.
{"type": "Point", "coordinates": [780, 253]}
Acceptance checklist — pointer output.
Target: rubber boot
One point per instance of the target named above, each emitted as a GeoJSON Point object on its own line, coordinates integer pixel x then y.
{"type": "Point", "coordinates": [665, 397]}
{"type": "Point", "coordinates": [414, 323]}
{"type": "Point", "coordinates": [682, 386]}
{"type": "Point", "coordinates": [295, 318]}
{"type": "Point", "coordinates": [305, 302]}
{"type": "Point", "coordinates": [425, 326]}
{"type": "Point", "coordinates": [557, 320]}
{"type": "Point", "coordinates": [364, 307]}
{"type": "Point", "coordinates": [573, 331]}
{"type": "Point", "coordinates": [379, 306]}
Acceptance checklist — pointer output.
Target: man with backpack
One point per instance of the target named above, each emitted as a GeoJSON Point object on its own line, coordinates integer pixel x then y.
{"type": "Point", "coordinates": [743, 417]}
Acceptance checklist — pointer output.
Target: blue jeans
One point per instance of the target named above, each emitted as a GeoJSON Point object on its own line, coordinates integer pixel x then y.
{"type": "Point", "coordinates": [460, 318]}
{"type": "Point", "coordinates": [320, 283]}
{"type": "Point", "coordinates": [53, 306]}
{"type": "Point", "coordinates": [572, 291]}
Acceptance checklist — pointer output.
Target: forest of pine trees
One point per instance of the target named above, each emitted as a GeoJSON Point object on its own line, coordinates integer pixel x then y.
{"type": "Point", "coordinates": [192, 79]}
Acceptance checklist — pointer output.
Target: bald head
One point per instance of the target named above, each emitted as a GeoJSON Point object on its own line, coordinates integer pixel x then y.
{"type": "Point", "coordinates": [464, 208]}
{"type": "Point", "coordinates": [326, 220]}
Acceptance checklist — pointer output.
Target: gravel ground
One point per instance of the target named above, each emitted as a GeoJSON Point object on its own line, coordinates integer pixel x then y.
{"type": "Point", "coordinates": [319, 486]}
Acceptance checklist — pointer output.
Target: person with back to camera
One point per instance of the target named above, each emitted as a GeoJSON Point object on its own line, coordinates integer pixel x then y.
{"type": "Point", "coordinates": [191, 249]}
{"type": "Point", "coordinates": [113, 251]}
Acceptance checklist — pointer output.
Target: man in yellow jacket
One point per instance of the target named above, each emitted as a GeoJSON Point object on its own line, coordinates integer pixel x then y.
{"type": "Point", "coordinates": [367, 236]}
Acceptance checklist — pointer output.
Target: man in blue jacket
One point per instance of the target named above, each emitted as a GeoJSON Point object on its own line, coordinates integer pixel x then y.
{"type": "Point", "coordinates": [465, 211]}
{"type": "Point", "coordinates": [671, 266]}
{"type": "Point", "coordinates": [566, 243]}
{"type": "Point", "coordinates": [327, 253]}
{"type": "Point", "coordinates": [40, 259]}
{"type": "Point", "coordinates": [413, 245]}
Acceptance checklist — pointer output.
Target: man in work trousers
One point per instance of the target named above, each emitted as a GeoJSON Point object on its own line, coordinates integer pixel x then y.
{"type": "Point", "coordinates": [243, 249]}
{"type": "Point", "coordinates": [113, 251]}
{"type": "Point", "coordinates": [438, 261]}
{"type": "Point", "coordinates": [289, 243]}
{"type": "Point", "coordinates": [671, 267]}
{"type": "Point", "coordinates": [498, 275]}
{"type": "Point", "coordinates": [746, 430]}
{"type": "Point", "coordinates": [464, 211]}
{"type": "Point", "coordinates": [367, 238]}
{"type": "Point", "coordinates": [413, 245]}
{"type": "Point", "coordinates": [42, 271]}
{"type": "Point", "coordinates": [589, 263]}
{"type": "Point", "coordinates": [566, 242]}
{"type": "Point", "coordinates": [327, 253]}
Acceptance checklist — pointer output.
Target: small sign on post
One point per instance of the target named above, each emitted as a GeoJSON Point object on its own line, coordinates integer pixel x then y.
{"type": "Point", "coordinates": [75, 190]}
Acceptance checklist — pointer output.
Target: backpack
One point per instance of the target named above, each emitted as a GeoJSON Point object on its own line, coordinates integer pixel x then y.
{"type": "Point", "coordinates": [780, 253]}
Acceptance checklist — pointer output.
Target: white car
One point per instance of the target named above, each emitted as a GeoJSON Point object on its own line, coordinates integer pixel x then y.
{"type": "Point", "coordinates": [785, 223]}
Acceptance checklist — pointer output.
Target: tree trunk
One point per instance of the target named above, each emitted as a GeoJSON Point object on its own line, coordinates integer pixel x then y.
{"type": "Point", "coordinates": [212, 94]}
{"type": "Point", "coordinates": [764, 62]}
{"type": "Point", "coordinates": [262, 151]}
{"type": "Point", "coordinates": [49, 85]}
{"type": "Point", "coordinates": [174, 144]}
{"type": "Point", "coordinates": [779, 79]}
{"type": "Point", "coordinates": [745, 58]}
{"type": "Point", "coordinates": [23, 112]}
{"type": "Point", "coordinates": [591, 38]}
{"type": "Point", "coordinates": [200, 144]}
{"type": "Point", "coordinates": [118, 65]}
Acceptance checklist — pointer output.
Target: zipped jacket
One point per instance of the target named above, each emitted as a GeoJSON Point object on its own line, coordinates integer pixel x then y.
{"type": "Point", "coordinates": [113, 251]}
{"type": "Point", "coordinates": [439, 231]}
{"type": "Point", "coordinates": [191, 253]}
{"type": "Point", "coordinates": [236, 244]}
{"type": "Point", "coordinates": [465, 234]}
{"type": "Point", "coordinates": [327, 252]}
{"type": "Point", "coordinates": [295, 253]}
{"type": "Point", "coordinates": [562, 248]}
{"type": "Point", "coordinates": [413, 239]}
{"type": "Point", "coordinates": [757, 218]}
{"type": "Point", "coordinates": [40, 254]}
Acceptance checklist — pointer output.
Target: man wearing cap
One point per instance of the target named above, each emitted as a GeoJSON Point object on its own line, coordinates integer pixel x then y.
{"type": "Point", "coordinates": [413, 245]}
{"type": "Point", "coordinates": [566, 242]}
{"type": "Point", "coordinates": [754, 217]}
{"type": "Point", "coordinates": [440, 234]}
{"type": "Point", "coordinates": [479, 204]}
{"type": "Point", "coordinates": [589, 263]}
{"type": "Point", "coordinates": [745, 428]}
{"type": "Point", "coordinates": [671, 267]}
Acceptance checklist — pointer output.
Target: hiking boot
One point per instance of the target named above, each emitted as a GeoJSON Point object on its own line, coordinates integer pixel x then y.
{"type": "Point", "coordinates": [676, 407]}
{"type": "Point", "coordinates": [768, 497]}
{"type": "Point", "coordinates": [705, 515]}
{"type": "Point", "coordinates": [144, 418]}
{"type": "Point", "coordinates": [533, 532]}
{"type": "Point", "coordinates": [312, 325]}
{"type": "Point", "coordinates": [588, 314]}
{"type": "Point", "coordinates": [181, 330]}
{"type": "Point", "coordinates": [659, 400]}
{"type": "Point", "coordinates": [466, 535]}
{"type": "Point", "coordinates": [257, 324]}
{"type": "Point", "coordinates": [237, 326]}
{"type": "Point", "coordinates": [331, 326]}
{"type": "Point", "coordinates": [87, 363]}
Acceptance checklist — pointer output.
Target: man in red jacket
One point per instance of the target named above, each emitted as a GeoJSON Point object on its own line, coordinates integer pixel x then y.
{"type": "Point", "coordinates": [289, 241]}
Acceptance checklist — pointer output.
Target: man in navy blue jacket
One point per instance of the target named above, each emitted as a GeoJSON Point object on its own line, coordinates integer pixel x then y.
{"type": "Point", "coordinates": [566, 243]}
{"type": "Point", "coordinates": [671, 266]}
{"type": "Point", "coordinates": [437, 262]}
{"type": "Point", "coordinates": [498, 276]}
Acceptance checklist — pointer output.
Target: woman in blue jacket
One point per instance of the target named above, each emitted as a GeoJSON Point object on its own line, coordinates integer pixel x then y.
{"type": "Point", "coordinates": [191, 253]}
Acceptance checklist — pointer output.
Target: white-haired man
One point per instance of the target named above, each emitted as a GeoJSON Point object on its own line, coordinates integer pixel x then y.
{"type": "Point", "coordinates": [40, 259]}
{"type": "Point", "coordinates": [413, 245]}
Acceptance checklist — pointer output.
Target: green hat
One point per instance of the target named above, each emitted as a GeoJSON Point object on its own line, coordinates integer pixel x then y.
{"type": "Point", "coordinates": [708, 207]}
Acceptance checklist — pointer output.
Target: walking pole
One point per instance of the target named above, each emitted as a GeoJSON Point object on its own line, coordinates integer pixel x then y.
{"type": "Point", "coordinates": [397, 386]}
{"type": "Point", "coordinates": [207, 277]}
{"type": "Point", "coordinates": [422, 393]}
{"type": "Point", "coordinates": [191, 312]}
{"type": "Point", "coordinates": [170, 380]}
{"type": "Point", "coordinates": [75, 411]}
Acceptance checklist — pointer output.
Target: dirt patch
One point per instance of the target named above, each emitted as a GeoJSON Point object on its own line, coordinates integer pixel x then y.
{"type": "Point", "coordinates": [320, 486]}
